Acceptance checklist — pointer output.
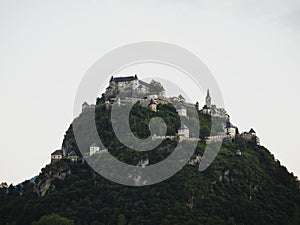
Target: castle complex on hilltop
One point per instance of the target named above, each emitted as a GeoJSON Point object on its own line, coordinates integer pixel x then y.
{"type": "Point", "coordinates": [130, 89]}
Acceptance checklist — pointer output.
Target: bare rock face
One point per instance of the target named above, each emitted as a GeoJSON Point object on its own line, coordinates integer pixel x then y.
{"type": "Point", "coordinates": [45, 180]}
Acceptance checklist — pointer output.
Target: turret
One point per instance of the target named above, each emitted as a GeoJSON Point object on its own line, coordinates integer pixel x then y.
{"type": "Point", "coordinates": [85, 105]}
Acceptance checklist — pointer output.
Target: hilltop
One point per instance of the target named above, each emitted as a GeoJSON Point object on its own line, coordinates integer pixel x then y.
{"type": "Point", "coordinates": [245, 184]}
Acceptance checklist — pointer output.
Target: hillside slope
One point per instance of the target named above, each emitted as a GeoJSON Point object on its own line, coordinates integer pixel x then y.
{"type": "Point", "coordinates": [251, 188]}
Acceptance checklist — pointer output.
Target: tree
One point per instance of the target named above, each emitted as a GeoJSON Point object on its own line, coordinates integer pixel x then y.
{"type": "Point", "coordinates": [53, 219]}
{"type": "Point", "coordinates": [156, 86]}
{"type": "Point", "coordinates": [122, 219]}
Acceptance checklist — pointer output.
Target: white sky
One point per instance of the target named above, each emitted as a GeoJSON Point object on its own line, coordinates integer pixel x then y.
{"type": "Point", "coordinates": [251, 47]}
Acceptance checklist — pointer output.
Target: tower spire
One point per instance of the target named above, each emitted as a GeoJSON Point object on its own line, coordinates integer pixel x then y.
{"type": "Point", "coordinates": [208, 99]}
{"type": "Point", "coordinates": [207, 93]}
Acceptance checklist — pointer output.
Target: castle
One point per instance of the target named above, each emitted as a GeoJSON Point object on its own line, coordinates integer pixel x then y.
{"type": "Point", "coordinates": [130, 89]}
{"type": "Point", "coordinates": [131, 86]}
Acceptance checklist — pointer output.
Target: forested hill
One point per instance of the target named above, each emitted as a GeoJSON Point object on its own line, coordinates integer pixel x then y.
{"type": "Point", "coordinates": [247, 188]}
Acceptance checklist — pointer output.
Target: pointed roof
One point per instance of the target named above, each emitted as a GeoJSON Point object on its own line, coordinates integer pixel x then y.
{"type": "Point", "coordinates": [57, 152]}
{"type": "Point", "coordinates": [181, 107]}
{"type": "Point", "coordinates": [183, 126]}
{"type": "Point", "coordinates": [181, 97]}
{"type": "Point", "coordinates": [207, 95]}
{"type": "Point", "coordinates": [85, 103]}
{"type": "Point", "coordinates": [229, 125]}
{"type": "Point", "coordinates": [94, 145]}
{"type": "Point", "coordinates": [252, 131]}
{"type": "Point", "coordinates": [72, 153]}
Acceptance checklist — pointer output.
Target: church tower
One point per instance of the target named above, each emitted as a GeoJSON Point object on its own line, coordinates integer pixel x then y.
{"type": "Point", "coordinates": [208, 100]}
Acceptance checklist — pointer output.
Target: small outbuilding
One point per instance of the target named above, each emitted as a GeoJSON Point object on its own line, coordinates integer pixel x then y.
{"type": "Point", "coordinates": [184, 131]}
{"type": "Point", "coordinates": [94, 148]}
{"type": "Point", "coordinates": [73, 156]}
{"type": "Point", "coordinates": [56, 155]}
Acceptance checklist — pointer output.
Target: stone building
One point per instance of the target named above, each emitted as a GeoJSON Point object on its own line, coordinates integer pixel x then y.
{"type": "Point", "coordinates": [184, 131]}
{"type": "Point", "coordinates": [73, 156]}
{"type": "Point", "coordinates": [94, 149]}
{"type": "Point", "coordinates": [251, 135]}
{"type": "Point", "coordinates": [230, 129]}
{"type": "Point", "coordinates": [131, 86]}
{"type": "Point", "coordinates": [56, 155]}
{"type": "Point", "coordinates": [181, 110]}
{"type": "Point", "coordinates": [176, 99]}
{"type": "Point", "coordinates": [86, 106]}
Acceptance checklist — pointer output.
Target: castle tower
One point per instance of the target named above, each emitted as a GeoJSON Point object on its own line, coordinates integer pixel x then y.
{"type": "Point", "coordinates": [184, 131]}
{"type": "Point", "coordinates": [208, 100]}
{"type": "Point", "coordinates": [94, 149]}
{"type": "Point", "coordinates": [181, 110]}
{"type": "Point", "coordinates": [85, 105]}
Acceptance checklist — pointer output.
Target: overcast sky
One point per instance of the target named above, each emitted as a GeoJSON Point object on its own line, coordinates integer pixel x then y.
{"type": "Point", "coordinates": [251, 47]}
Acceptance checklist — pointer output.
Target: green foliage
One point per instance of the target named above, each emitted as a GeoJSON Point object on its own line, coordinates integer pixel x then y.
{"type": "Point", "coordinates": [156, 86]}
{"type": "Point", "coordinates": [53, 219]}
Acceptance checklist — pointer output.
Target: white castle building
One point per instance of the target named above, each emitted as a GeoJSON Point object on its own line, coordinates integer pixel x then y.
{"type": "Point", "coordinates": [181, 110]}
{"type": "Point", "coordinates": [56, 155]}
{"type": "Point", "coordinates": [94, 149]}
{"type": "Point", "coordinates": [184, 131]}
{"type": "Point", "coordinates": [230, 129]}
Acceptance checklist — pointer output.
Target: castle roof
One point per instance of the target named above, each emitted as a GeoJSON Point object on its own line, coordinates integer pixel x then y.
{"type": "Point", "coordinates": [183, 127]}
{"type": "Point", "coordinates": [181, 107]}
{"type": "Point", "coordinates": [252, 131]}
{"type": "Point", "coordinates": [229, 125]}
{"type": "Point", "coordinates": [94, 145]}
{"type": "Point", "coordinates": [109, 87]}
{"type": "Point", "coordinates": [72, 153]}
{"type": "Point", "coordinates": [123, 79]}
{"type": "Point", "coordinates": [57, 152]}
{"type": "Point", "coordinates": [85, 103]}
{"type": "Point", "coordinates": [181, 97]}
